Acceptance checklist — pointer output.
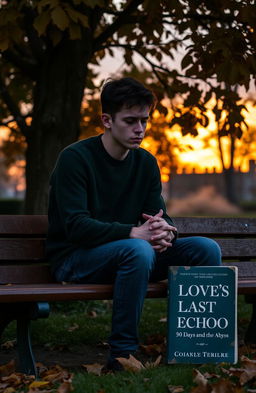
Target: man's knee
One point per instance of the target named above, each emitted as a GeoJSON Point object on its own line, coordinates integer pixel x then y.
{"type": "Point", "coordinates": [140, 253]}
{"type": "Point", "coordinates": [208, 250]}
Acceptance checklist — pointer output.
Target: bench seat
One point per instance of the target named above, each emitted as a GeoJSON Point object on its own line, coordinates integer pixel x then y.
{"type": "Point", "coordinates": [26, 285]}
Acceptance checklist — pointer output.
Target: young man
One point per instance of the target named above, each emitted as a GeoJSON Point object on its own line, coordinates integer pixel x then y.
{"type": "Point", "coordinates": [107, 219]}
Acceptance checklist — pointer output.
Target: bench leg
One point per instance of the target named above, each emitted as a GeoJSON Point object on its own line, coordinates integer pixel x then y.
{"type": "Point", "coordinates": [4, 321]}
{"type": "Point", "coordinates": [23, 313]}
{"type": "Point", "coordinates": [26, 358]}
{"type": "Point", "coordinates": [250, 335]}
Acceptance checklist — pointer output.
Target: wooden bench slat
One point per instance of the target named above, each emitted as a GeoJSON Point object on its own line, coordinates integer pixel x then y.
{"type": "Point", "coordinates": [22, 249]}
{"type": "Point", "coordinates": [245, 269]}
{"type": "Point", "coordinates": [238, 248]}
{"type": "Point", "coordinates": [26, 274]}
{"type": "Point", "coordinates": [59, 292]}
{"type": "Point", "coordinates": [37, 225]}
{"type": "Point", "coordinates": [40, 274]}
{"type": "Point", "coordinates": [23, 225]}
{"type": "Point", "coordinates": [32, 249]}
{"type": "Point", "coordinates": [212, 226]}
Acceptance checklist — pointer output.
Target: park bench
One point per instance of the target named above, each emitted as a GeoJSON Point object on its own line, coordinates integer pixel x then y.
{"type": "Point", "coordinates": [26, 285]}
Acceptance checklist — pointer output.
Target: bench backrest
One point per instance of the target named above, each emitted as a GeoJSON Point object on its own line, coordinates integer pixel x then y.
{"type": "Point", "coordinates": [22, 243]}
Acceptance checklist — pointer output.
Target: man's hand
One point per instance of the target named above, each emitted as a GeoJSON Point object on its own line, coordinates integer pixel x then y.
{"type": "Point", "coordinates": [156, 231]}
{"type": "Point", "coordinates": [163, 233]}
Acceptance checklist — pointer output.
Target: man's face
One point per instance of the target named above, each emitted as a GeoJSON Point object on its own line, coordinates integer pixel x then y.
{"type": "Point", "coordinates": [128, 127]}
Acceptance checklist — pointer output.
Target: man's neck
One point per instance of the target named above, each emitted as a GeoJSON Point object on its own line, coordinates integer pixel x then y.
{"type": "Point", "coordinates": [113, 149]}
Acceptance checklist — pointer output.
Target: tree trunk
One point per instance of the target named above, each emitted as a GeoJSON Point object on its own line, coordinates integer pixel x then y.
{"type": "Point", "coordinates": [56, 117]}
{"type": "Point", "coordinates": [231, 191]}
{"type": "Point", "coordinates": [229, 173]}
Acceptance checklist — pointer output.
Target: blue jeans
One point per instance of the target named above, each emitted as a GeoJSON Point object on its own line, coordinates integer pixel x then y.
{"type": "Point", "coordinates": [130, 264]}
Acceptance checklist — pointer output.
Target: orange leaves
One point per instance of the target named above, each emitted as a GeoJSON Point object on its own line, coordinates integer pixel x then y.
{"type": "Point", "coordinates": [232, 380]}
{"type": "Point", "coordinates": [11, 381]}
{"type": "Point", "coordinates": [131, 364]}
{"type": "Point", "coordinates": [94, 368]}
{"type": "Point", "coordinates": [7, 369]}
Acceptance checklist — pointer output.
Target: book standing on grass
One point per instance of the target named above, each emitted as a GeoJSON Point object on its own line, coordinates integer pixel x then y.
{"type": "Point", "coordinates": [202, 314]}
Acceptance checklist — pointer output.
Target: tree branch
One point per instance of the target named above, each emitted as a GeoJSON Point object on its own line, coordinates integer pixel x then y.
{"type": "Point", "coordinates": [153, 65]}
{"type": "Point", "coordinates": [120, 20]}
{"type": "Point", "coordinates": [13, 108]}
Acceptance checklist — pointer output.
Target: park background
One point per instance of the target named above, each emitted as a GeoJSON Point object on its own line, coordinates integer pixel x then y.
{"type": "Point", "coordinates": [199, 58]}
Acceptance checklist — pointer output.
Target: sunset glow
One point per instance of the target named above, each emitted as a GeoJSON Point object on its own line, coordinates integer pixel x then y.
{"type": "Point", "coordinates": [196, 155]}
{"type": "Point", "coordinates": [201, 156]}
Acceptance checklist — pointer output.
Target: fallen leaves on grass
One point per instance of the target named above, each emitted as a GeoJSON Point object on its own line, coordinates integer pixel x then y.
{"type": "Point", "coordinates": [175, 389]}
{"type": "Point", "coordinates": [8, 344]}
{"type": "Point", "coordinates": [229, 380]}
{"type": "Point", "coordinates": [7, 369]}
{"type": "Point", "coordinates": [199, 378]}
{"type": "Point", "coordinates": [155, 363]}
{"type": "Point", "coordinates": [11, 381]}
{"type": "Point", "coordinates": [131, 364]}
{"type": "Point", "coordinates": [94, 368]}
{"type": "Point", "coordinates": [92, 314]}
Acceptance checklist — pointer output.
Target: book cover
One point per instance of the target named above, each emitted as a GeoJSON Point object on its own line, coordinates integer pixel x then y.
{"type": "Point", "coordinates": [202, 314]}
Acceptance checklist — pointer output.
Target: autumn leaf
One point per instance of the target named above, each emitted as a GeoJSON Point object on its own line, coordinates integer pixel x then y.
{"type": "Point", "coordinates": [155, 363]}
{"type": "Point", "coordinates": [9, 390]}
{"type": "Point", "coordinates": [8, 344]}
{"type": "Point", "coordinates": [225, 386]}
{"type": "Point", "coordinates": [249, 370]}
{"type": "Point", "coordinates": [131, 364]}
{"type": "Point", "coordinates": [65, 387]}
{"type": "Point", "coordinates": [55, 374]}
{"type": "Point", "coordinates": [199, 378]}
{"type": "Point", "coordinates": [92, 314]}
{"type": "Point", "coordinates": [94, 368]}
{"type": "Point", "coordinates": [60, 18]}
{"type": "Point", "coordinates": [7, 369]}
{"type": "Point", "coordinates": [175, 389]}
{"type": "Point", "coordinates": [38, 384]}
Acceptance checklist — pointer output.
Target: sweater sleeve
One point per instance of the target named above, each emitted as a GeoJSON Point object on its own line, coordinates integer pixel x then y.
{"type": "Point", "coordinates": [69, 185]}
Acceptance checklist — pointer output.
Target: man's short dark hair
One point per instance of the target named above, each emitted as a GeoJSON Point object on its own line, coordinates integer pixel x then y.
{"type": "Point", "coordinates": [125, 93]}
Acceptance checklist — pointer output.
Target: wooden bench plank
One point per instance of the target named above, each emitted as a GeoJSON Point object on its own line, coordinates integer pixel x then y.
{"type": "Point", "coordinates": [59, 292]}
{"type": "Point", "coordinates": [29, 249]}
{"type": "Point", "coordinates": [25, 274]}
{"type": "Point", "coordinates": [22, 249]}
{"type": "Point", "coordinates": [237, 248]}
{"type": "Point", "coordinates": [35, 225]}
{"type": "Point", "coordinates": [213, 226]}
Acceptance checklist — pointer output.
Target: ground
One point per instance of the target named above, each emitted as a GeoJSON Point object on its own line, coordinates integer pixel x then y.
{"type": "Point", "coordinates": [71, 358]}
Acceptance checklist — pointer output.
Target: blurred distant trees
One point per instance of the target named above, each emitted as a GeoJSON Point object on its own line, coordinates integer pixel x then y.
{"type": "Point", "coordinates": [49, 47]}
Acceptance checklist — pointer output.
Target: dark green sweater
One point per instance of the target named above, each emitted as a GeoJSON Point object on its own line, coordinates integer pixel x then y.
{"type": "Point", "coordinates": [95, 199]}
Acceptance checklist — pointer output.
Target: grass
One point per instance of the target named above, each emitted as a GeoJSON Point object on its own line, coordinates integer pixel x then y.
{"type": "Point", "coordinates": [91, 330]}
{"type": "Point", "coordinates": [152, 381]}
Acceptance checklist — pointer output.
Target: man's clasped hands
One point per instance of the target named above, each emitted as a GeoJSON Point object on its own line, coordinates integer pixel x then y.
{"type": "Point", "coordinates": [156, 231]}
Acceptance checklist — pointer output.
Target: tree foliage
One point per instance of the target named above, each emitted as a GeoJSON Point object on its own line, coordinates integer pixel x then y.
{"type": "Point", "coordinates": [190, 49]}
